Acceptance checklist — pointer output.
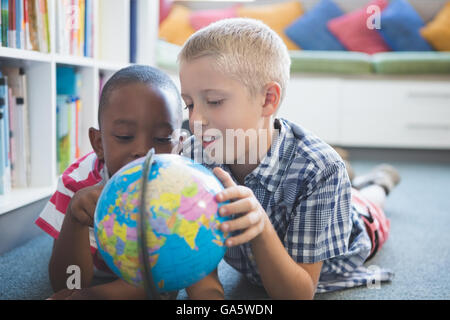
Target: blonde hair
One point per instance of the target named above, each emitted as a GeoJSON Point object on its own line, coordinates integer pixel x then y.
{"type": "Point", "coordinates": [246, 49]}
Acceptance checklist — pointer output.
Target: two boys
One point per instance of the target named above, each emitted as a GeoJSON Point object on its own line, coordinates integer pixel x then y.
{"type": "Point", "coordinates": [296, 229]}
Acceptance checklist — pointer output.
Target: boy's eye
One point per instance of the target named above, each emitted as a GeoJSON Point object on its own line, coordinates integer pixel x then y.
{"type": "Point", "coordinates": [124, 138]}
{"type": "Point", "coordinates": [189, 106]}
{"type": "Point", "coordinates": [163, 140]}
{"type": "Point", "coordinates": [215, 103]}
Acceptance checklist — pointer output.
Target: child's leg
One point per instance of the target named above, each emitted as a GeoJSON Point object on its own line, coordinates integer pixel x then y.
{"type": "Point", "coordinates": [375, 194]}
{"type": "Point", "coordinates": [373, 190]}
{"type": "Point", "coordinates": [384, 175]}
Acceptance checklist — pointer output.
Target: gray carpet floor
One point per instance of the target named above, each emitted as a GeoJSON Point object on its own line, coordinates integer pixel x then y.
{"type": "Point", "coordinates": [418, 248]}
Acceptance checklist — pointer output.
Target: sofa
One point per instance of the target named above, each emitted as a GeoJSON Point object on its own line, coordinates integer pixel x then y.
{"type": "Point", "coordinates": [381, 98]}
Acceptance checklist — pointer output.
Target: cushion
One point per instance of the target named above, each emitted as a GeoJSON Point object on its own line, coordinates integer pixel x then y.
{"type": "Point", "coordinates": [351, 30]}
{"type": "Point", "coordinates": [203, 18]}
{"type": "Point", "coordinates": [277, 16]}
{"type": "Point", "coordinates": [310, 31]}
{"type": "Point", "coordinates": [429, 62]}
{"type": "Point", "coordinates": [336, 62]}
{"type": "Point", "coordinates": [437, 31]}
{"type": "Point", "coordinates": [400, 27]}
{"type": "Point", "coordinates": [176, 28]}
{"type": "Point", "coordinates": [164, 9]}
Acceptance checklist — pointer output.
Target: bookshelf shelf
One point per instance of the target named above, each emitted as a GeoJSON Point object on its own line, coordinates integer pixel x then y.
{"type": "Point", "coordinates": [111, 21]}
{"type": "Point", "coordinates": [74, 61]}
{"type": "Point", "coordinates": [20, 197]}
{"type": "Point", "coordinates": [25, 55]}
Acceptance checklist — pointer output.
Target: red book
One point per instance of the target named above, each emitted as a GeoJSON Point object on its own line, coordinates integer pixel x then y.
{"type": "Point", "coordinates": [12, 24]}
{"type": "Point", "coordinates": [26, 21]}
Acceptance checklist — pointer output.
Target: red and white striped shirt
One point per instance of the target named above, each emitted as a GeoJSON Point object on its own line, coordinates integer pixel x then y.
{"type": "Point", "coordinates": [85, 172]}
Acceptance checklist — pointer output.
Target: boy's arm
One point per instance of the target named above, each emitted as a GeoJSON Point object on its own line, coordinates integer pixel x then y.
{"type": "Point", "coordinates": [282, 277]}
{"type": "Point", "coordinates": [209, 288]}
{"type": "Point", "coordinates": [115, 290]}
{"type": "Point", "coordinates": [72, 247]}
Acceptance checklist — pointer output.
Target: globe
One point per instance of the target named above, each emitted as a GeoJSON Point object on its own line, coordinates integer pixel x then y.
{"type": "Point", "coordinates": [183, 242]}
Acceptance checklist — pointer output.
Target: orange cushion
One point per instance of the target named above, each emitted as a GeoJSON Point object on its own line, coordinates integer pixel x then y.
{"type": "Point", "coordinates": [277, 16]}
{"type": "Point", "coordinates": [437, 31]}
{"type": "Point", "coordinates": [176, 28]}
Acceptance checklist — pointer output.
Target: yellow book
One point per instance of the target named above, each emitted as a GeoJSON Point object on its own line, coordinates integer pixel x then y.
{"type": "Point", "coordinates": [82, 8]}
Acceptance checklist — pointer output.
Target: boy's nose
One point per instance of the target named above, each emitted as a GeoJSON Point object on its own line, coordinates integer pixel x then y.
{"type": "Point", "coordinates": [139, 154]}
{"type": "Point", "coordinates": [197, 118]}
{"type": "Point", "coordinates": [141, 148]}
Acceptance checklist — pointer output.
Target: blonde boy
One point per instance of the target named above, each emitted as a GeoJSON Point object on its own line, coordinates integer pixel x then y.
{"type": "Point", "coordinates": [294, 218]}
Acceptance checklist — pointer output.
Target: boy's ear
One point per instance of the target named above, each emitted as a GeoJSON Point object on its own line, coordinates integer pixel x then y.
{"type": "Point", "coordinates": [272, 92]}
{"type": "Point", "coordinates": [95, 136]}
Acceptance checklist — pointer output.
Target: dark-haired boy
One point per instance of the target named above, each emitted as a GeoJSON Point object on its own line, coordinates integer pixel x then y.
{"type": "Point", "coordinates": [140, 109]}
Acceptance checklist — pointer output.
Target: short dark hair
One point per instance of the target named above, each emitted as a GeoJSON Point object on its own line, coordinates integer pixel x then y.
{"type": "Point", "coordinates": [139, 74]}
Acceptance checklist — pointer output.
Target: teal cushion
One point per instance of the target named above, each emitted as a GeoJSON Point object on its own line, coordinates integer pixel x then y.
{"type": "Point", "coordinates": [341, 62]}
{"type": "Point", "coordinates": [412, 62]}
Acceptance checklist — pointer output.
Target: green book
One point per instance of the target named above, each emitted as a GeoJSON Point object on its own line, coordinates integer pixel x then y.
{"type": "Point", "coordinates": [5, 22]}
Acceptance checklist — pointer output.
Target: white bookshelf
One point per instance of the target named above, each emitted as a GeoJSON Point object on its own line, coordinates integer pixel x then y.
{"type": "Point", "coordinates": [111, 53]}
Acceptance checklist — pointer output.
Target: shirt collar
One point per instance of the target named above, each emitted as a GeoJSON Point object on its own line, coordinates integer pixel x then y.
{"type": "Point", "coordinates": [271, 168]}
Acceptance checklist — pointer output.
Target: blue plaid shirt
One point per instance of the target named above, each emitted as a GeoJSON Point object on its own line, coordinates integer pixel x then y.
{"type": "Point", "coordinates": [302, 184]}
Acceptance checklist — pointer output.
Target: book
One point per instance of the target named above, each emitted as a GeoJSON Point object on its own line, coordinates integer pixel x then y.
{"type": "Point", "coordinates": [81, 29]}
{"type": "Point", "coordinates": [5, 22]}
{"type": "Point", "coordinates": [75, 27]}
{"type": "Point", "coordinates": [12, 128]}
{"type": "Point", "coordinates": [21, 135]}
{"type": "Point", "coordinates": [62, 134]}
{"type": "Point", "coordinates": [26, 21]}
{"type": "Point", "coordinates": [3, 153]}
{"type": "Point", "coordinates": [33, 24]}
{"type": "Point", "coordinates": [12, 24]}
{"type": "Point", "coordinates": [5, 162]}
{"type": "Point", "coordinates": [69, 108]}
{"type": "Point", "coordinates": [20, 147]}
{"type": "Point", "coordinates": [89, 29]}
{"type": "Point", "coordinates": [44, 12]}
{"type": "Point", "coordinates": [40, 26]}
{"type": "Point", "coordinates": [19, 24]}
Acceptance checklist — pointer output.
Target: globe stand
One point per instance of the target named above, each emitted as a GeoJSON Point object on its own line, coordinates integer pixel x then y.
{"type": "Point", "coordinates": [149, 283]}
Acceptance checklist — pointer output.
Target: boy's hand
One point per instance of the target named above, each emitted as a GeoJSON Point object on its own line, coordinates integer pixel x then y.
{"type": "Point", "coordinates": [67, 294]}
{"type": "Point", "coordinates": [253, 216]}
{"type": "Point", "coordinates": [83, 204]}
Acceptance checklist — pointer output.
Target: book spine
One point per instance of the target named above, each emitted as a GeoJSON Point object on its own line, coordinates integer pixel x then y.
{"type": "Point", "coordinates": [77, 127]}
{"type": "Point", "coordinates": [3, 142]}
{"type": "Point", "coordinates": [81, 19]}
{"type": "Point", "coordinates": [33, 25]}
{"type": "Point", "coordinates": [40, 26]}
{"type": "Point", "coordinates": [26, 20]}
{"type": "Point", "coordinates": [19, 23]}
{"type": "Point", "coordinates": [88, 28]}
{"type": "Point", "coordinates": [5, 22]}
{"type": "Point", "coordinates": [4, 97]}
{"type": "Point", "coordinates": [12, 24]}
{"type": "Point", "coordinates": [73, 26]}
{"type": "Point", "coordinates": [46, 24]}
{"type": "Point", "coordinates": [26, 124]}
{"type": "Point", "coordinates": [12, 128]}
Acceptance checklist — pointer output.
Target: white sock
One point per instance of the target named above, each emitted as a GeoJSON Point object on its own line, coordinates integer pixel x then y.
{"type": "Point", "coordinates": [374, 193]}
